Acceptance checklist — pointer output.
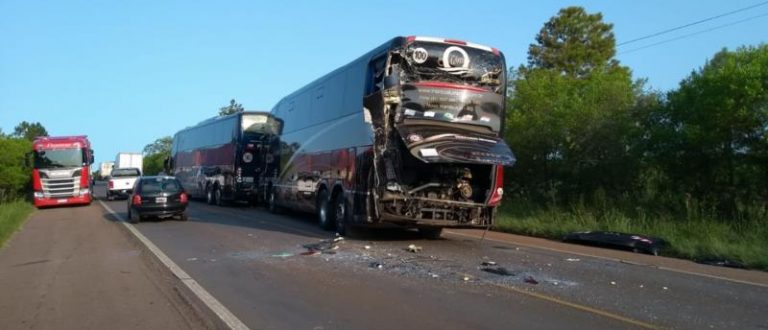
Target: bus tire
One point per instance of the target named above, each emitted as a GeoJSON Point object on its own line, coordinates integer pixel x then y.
{"type": "Point", "coordinates": [217, 196]}
{"type": "Point", "coordinates": [272, 203]}
{"type": "Point", "coordinates": [324, 211]}
{"type": "Point", "coordinates": [340, 213]}
{"type": "Point", "coordinates": [209, 195]}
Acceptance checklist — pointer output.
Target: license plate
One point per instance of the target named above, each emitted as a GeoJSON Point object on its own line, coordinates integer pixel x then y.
{"type": "Point", "coordinates": [161, 199]}
{"type": "Point", "coordinates": [61, 200]}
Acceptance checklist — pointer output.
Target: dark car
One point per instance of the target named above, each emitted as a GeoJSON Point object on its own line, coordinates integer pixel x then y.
{"type": "Point", "coordinates": [157, 196]}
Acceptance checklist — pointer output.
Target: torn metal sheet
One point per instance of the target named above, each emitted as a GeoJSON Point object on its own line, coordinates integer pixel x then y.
{"type": "Point", "coordinates": [615, 240]}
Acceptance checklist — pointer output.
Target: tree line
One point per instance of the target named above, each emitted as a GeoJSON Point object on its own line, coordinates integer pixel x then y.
{"type": "Point", "coordinates": [14, 170]}
{"type": "Point", "coordinates": [586, 133]}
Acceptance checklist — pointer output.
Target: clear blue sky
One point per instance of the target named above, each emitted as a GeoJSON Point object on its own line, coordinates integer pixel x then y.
{"type": "Point", "coordinates": [128, 72]}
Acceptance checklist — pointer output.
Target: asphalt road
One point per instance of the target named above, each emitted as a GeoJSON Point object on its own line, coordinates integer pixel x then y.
{"type": "Point", "coordinates": [253, 262]}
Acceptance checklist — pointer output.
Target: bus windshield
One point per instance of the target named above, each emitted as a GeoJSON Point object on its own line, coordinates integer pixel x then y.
{"type": "Point", "coordinates": [59, 158]}
{"type": "Point", "coordinates": [434, 61]}
{"type": "Point", "coordinates": [253, 123]}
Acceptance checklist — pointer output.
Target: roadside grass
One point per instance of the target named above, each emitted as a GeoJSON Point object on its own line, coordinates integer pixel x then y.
{"type": "Point", "coordinates": [12, 215]}
{"type": "Point", "coordinates": [696, 238]}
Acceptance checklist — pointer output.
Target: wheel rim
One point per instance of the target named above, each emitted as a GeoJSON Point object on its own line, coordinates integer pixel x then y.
{"type": "Point", "coordinates": [209, 196]}
{"type": "Point", "coordinates": [218, 196]}
{"type": "Point", "coordinates": [341, 211]}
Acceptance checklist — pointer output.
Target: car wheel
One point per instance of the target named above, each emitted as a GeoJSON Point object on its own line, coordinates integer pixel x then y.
{"type": "Point", "coordinates": [340, 214]}
{"type": "Point", "coordinates": [431, 233]}
{"type": "Point", "coordinates": [110, 197]}
{"type": "Point", "coordinates": [133, 218]}
{"type": "Point", "coordinates": [324, 215]}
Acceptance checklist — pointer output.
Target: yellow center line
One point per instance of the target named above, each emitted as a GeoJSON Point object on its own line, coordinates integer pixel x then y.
{"type": "Point", "coordinates": [675, 270]}
{"type": "Point", "coordinates": [578, 306]}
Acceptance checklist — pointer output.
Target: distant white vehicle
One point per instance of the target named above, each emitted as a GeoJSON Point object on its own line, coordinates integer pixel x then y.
{"type": "Point", "coordinates": [129, 160]}
{"type": "Point", "coordinates": [105, 169]}
{"type": "Point", "coordinates": [121, 182]}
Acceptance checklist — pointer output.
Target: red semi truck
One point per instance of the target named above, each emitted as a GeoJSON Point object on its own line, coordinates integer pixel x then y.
{"type": "Point", "coordinates": [61, 171]}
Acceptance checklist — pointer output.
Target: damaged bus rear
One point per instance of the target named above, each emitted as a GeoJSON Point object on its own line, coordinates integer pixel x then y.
{"type": "Point", "coordinates": [410, 134]}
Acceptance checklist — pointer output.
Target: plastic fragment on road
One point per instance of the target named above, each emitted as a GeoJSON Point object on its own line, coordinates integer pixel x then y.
{"type": "Point", "coordinates": [488, 263]}
{"type": "Point", "coordinates": [573, 259]}
{"type": "Point", "coordinates": [466, 278]}
{"type": "Point", "coordinates": [530, 280]}
{"type": "Point", "coordinates": [282, 255]}
{"type": "Point", "coordinates": [664, 288]}
{"type": "Point", "coordinates": [613, 283]}
{"type": "Point", "coordinates": [367, 247]}
{"type": "Point", "coordinates": [616, 240]}
{"type": "Point", "coordinates": [498, 271]}
{"type": "Point", "coordinates": [191, 259]}
{"type": "Point", "coordinates": [413, 248]}
{"type": "Point", "coordinates": [376, 265]}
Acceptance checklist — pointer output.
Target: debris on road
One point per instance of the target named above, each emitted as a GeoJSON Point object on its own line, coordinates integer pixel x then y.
{"type": "Point", "coordinates": [722, 263]}
{"type": "Point", "coordinates": [573, 259]}
{"type": "Point", "coordinates": [282, 255]}
{"type": "Point", "coordinates": [498, 271]}
{"type": "Point", "coordinates": [310, 253]}
{"type": "Point", "coordinates": [413, 248]}
{"type": "Point", "coordinates": [191, 259]}
{"type": "Point", "coordinates": [530, 280]}
{"type": "Point", "coordinates": [664, 288]}
{"type": "Point", "coordinates": [613, 283]}
{"type": "Point", "coordinates": [376, 265]}
{"type": "Point", "coordinates": [367, 247]}
{"type": "Point", "coordinates": [615, 240]}
{"type": "Point", "coordinates": [488, 263]}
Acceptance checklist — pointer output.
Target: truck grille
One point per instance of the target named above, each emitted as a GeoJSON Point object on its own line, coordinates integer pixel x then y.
{"type": "Point", "coordinates": [60, 187]}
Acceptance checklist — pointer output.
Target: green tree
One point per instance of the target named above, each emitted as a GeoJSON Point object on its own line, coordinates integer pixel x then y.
{"type": "Point", "coordinates": [233, 107]}
{"type": "Point", "coordinates": [29, 131]}
{"type": "Point", "coordinates": [718, 128]}
{"type": "Point", "coordinates": [155, 155]}
{"type": "Point", "coordinates": [161, 145]}
{"type": "Point", "coordinates": [569, 117]}
{"type": "Point", "coordinates": [14, 174]}
{"type": "Point", "coordinates": [573, 43]}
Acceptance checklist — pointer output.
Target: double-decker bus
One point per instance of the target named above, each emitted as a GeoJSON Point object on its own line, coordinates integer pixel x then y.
{"type": "Point", "coordinates": [409, 134]}
{"type": "Point", "coordinates": [61, 171]}
{"type": "Point", "coordinates": [227, 158]}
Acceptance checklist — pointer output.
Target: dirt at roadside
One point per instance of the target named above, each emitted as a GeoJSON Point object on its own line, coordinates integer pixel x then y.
{"type": "Point", "coordinates": [74, 268]}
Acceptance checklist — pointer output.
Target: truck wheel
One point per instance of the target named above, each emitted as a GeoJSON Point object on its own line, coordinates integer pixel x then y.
{"type": "Point", "coordinates": [340, 214]}
{"type": "Point", "coordinates": [431, 233]}
{"type": "Point", "coordinates": [324, 215]}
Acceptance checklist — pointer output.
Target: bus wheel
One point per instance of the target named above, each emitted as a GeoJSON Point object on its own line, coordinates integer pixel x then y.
{"type": "Point", "coordinates": [340, 209]}
{"type": "Point", "coordinates": [272, 204]}
{"type": "Point", "coordinates": [431, 233]}
{"type": "Point", "coordinates": [324, 215]}
{"type": "Point", "coordinates": [209, 195]}
{"type": "Point", "coordinates": [217, 196]}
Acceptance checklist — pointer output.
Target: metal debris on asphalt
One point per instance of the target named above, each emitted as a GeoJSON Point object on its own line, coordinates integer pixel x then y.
{"type": "Point", "coordinates": [530, 280]}
{"type": "Point", "coordinates": [310, 253]}
{"type": "Point", "coordinates": [377, 265]}
{"type": "Point", "coordinates": [498, 271]}
{"type": "Point", "coordinates": [413, 248]}
{"type": "Point", "coordinates": [282, 255]}
{"type": "Point", "coordinates": [488, 263]}
{"type": "Point", "coordinates": [573, 259]}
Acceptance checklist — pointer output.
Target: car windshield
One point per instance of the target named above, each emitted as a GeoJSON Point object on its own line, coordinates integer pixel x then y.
{"type": "Point", "coordinates": [123, 172]}
{"type": "Point", "coordinates": [155, 185]}
{"type": "Point", "coordinates": [59, 158]}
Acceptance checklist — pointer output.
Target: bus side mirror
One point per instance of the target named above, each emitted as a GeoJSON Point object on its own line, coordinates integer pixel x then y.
{"type": "Point", "coordinates": [91, 160]}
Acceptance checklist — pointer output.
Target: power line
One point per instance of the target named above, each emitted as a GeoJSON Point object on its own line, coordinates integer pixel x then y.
{"type": "Point", "coordinates": [694, 34]}
{"type": "Point", "coordinates": [692, 24]}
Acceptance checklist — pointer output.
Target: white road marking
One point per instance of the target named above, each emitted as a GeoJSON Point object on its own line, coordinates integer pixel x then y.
{"type": "Point", "coordinates": [222, 312]}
